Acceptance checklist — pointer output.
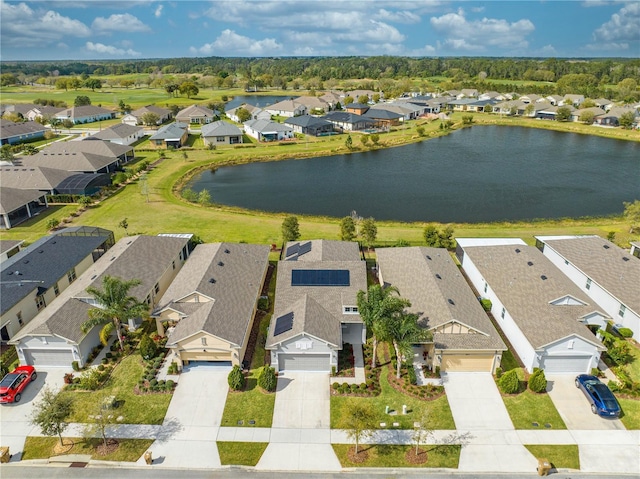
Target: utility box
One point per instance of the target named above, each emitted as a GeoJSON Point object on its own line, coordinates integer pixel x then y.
{"type": "Point", "coordinates": [4, 454]}
{"type": "Point", "coordinates": [544, 466]}
{"type": "Point", "coordinates": [148, 458]}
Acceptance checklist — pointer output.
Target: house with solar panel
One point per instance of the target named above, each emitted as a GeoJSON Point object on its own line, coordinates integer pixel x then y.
{"type": "Point", "coordinates": [208, 311]}
{"type": "Point", "coordinates": [316, 310]}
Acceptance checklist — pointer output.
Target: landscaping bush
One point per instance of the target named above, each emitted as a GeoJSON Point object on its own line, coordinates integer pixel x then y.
{"type": "Point", "coordinates": [538, 381]}
{"type": "Point", "coordinates": [173, 368]}
{"type": "Point", "coordinates": [236, 379]}
{"type": "Point", "coordinates": [354, 388]}
{"type": "Point", "coordinates": [91, 379]}
{"type": "Point", "coordinates": [620, 352]}
{"type": "Point", "coordinates": [625, 332]}
{"type": "Point", "coordinates": [148, 348]}
{"type": "Point", "coordinates": [498, 373]}
{"type": "Point", "coordinates": [101, 367]}
{"type": "Point", "coordinates": [363, 387]}
{"type": "Point", "coordinates": [486, 304]}
{"type": "Point", "coordinates": [75, 366]}
{"type": "Point", "coordinates": [509, 383]}
{"type": "Point", "coordinates": [335, 386]}
{"type": "Point", "coordinates": [68, 378]}
{"type": "Point", "coordinates": [411, 374]}
{"type": "Point", "coordinates": [267, 379]}
{"type": "Point", "coordinates": [108, 355]}
{"type": "Point", "coordinates": [153, 382]}
{"type": "Point", "coordinates": [169, 384]}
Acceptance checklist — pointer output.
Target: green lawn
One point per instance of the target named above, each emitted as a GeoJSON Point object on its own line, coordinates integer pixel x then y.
{"type": "Point", "coordinates": [129, 450]}
{"type": "Point", "coordinates": [439, 411]}
{"type": "Point", "coordinates": [508, 361]}
{"type": "Point", "coordinates": [394, 456]}
{"type": "Point", "coordinates": [528, 407]}
{"type": "Point", "coordinates": [241, 453]}
{"type": "Point", "coordinates": [631, 410]}
{"type": "Point", "coordinates": [560, 456]}
{"type": "Point", "coordinates": [634, 366]}
{"type": "Point", "coordinates": [135, 409]}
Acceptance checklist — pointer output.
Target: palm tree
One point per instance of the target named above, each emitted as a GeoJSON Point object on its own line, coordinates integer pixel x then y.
{"type": "Point", "coordinates": [115, 306]}
{"type": "Point", "coordinates": [405, 331]}
{"type": "Point", "coordinates": [377, 307]}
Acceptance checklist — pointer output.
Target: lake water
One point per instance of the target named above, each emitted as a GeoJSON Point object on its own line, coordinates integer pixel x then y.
{"type": "Point", "coordinates": [478, 174]}
{"type": "Point", "coordinates": [256, 100]}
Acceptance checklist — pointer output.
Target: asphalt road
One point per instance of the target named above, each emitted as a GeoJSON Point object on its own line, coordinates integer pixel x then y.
{"type": "Point", "coordinates": [51, 472]}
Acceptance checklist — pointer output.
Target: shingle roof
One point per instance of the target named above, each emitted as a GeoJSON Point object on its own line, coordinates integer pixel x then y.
{"type": "Point", "coordinates": [82, 111]}
{"type": "Point", "coordinates": [380, 114]}
{"type": "Point", "coordinates": [172, 131]}
{"type": "Point", "coordinates": [323, 250]}
{"type": "Point", "coordinates": [6, 245]}
{"type": "Point", "coordinates": [429, 278]}
{"type": "Point", "coordinates": [604, 263]}
{"type": "Point", "coordinates": [117, 131]}
{"type": "Point", "coordinates": [161, 112]}
{"type": "Point", "coordinates": [47, 260]}
{"type": "Point", "coordinates": [12, 198]}
{"type": "Point", "coordinates": [220, 128]}
{"type": "Point", "coordinates": [196, 111]}
{"type": "Point", "coordinates": [237, 271]}
{"type": "Point", "coordinates": [104, 148]}
{"type": "Point", "coordinates": [78, 161]}
{"type": "Point", "coordinates": [34, 178]}
{"type": "Point", "coordinates": [527, 296]}
{"type": "Point", "coordinates": [9, 129]}
{"type": "Point", "coordinates": [346, 117]}
{"type": "Point", "coordinates": [306, 121]}
{"type": "Point", "coordinates": [266, 126]}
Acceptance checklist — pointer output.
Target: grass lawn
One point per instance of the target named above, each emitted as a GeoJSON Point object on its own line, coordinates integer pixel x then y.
{"type": "Point", "coordinates": [383, 455]}
{"type": "Point", "coordinates": [136, 409]}
{"type": "Point", "coordinates": [439, 410]}
{"type": "Point", "coordinates": [560, 456]}
{"type": "Point", "coordinates": [508, 361]}
{"type": "Point", "coordinates": [528, 407]}
{"type": "Point", "coordinates": [631, 409]}
{"type": "Point", "coordinates": [634, 366]}
{"type": "Point", "coordinates": [129, 450]}
{"type": "Point", "coordinates": [241, 453]}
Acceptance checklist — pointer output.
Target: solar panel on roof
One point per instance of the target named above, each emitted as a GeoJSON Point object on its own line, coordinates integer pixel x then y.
{"type": "Point", "coordinates": [305, 248]}
{"type": "Point", "coordinates": [293, 249]}
{"type": "Point", "coordinates": [320, 277]}
{"type": "Point", "coordinates": [283, 324]}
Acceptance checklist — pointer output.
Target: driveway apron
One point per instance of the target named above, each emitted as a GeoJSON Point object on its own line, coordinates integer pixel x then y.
{"type": "Point", "coordinates": [190, 428]}
{"type": "Point", "coordinates": [300, 435]}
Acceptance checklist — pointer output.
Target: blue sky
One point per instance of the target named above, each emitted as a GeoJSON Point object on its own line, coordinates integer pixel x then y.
{"type": "Point", "coordinates": [131, 29]}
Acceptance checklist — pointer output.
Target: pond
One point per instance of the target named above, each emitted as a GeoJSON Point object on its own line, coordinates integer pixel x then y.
{"type": "Point", "coordinates": [478, 174]}
{"type": "Point", "coordinates": [256, 100]}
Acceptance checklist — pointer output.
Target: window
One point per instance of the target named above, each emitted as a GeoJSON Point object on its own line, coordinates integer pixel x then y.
{"type": "Point", "coordinates": [502, 313]}
{"type": "Point", "coordinates": [203, 341]}
{"type": "Point", "coordinates": [220, 139]}
{"type": "Point", "coordinates": [40, 302]}
{"type": "Point", "coordinates": [486, 286]}
{"type": "Point", "coordinates": [173, 264]}
{"type": "Point", "coordinates": [156, 288]}
{"type": "Point", "coordinates": [56, 289]}
{"type": "Point", "coordinates": [350, 310]}
{"type": "Point", "coordinates": [19, 316]}
{"type": "Point", "coordinates": [570, 344]}
{"type": "Point", "coordinates": [622, 310]}
{"type": "Point", "coordinates": [71, 275]}
{"type": "Point", "coordinates": [588, 285]}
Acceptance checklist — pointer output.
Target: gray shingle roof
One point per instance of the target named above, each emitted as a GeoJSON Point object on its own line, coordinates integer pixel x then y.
{"type": "Point", "coordinates": [104, 148]}
{"type": "Point", "coordinates": [33, 178]}
{"type": "Point", "coordinates": [306, 121]}
{"type": "Point", "coordinates": [172, 131]}
{"type": "Point", "coordinates": [527, 296]}
{"type": "Point", "coordinates": [161, 112]}
{"type": "Point", "coordinates": [413, 271]}
{"type": "Point", "coordinates": [70, 161]}
{"type": "Point", "coordinates": [6, 245]}
{"type": "Point", "coordinates": [238, 270]}
{"type": "Point", "coordinates": [117, 131]}
{"type": "Point", "coordinates": [220, 128]}
{"type": "Point", "coordinates": [605, 266]}
{"type": "Point", "coordinates": [9, 129]}
{"type": "Point", "coordinates": [266, 126]}
{"type": "Point", "coordinates": [12, 198]}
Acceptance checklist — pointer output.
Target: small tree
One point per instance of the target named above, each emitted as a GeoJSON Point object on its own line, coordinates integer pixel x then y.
{"type": "Point", "coordinates": [53, 223]}
{"type": "Point", "coordinates": [85, 201]}
{"type": "Point", "coordinates": [422, 428]}
{"type": "Point", "coordinates": [124, 224]}
{"type": "Point", "coordinates": [632, 214]}
{"type": "Point", "coordinates": [369, 231]}
{"type": "Point", "coordinates": [236, 379]}
{"type": "Point", "coordinates": [188, 89]}
{"type": "Point", "coordinates": [6, 153]}
{"type": "Point", "coordinates": [243, 114]}
{"type": "Point", "coordinates": [267, 379]}
{"type": "Point", "coordinates": [51, 412]}
{"type": "Point", "coordinates": [290, 229]}
{"type": "Point", "coordinates": [99, 422]}
{"type": "Point", "coordinates": [363, 99]}
{"type": "Point", "coordinates": [148, 347]}
{"type": "Point", "coordinates": [82, 100]}
{"type": "Point", "coordinates": [150, 119]}
{"type": "Point", "coordinates": [349, 142]}
{"type": "Point", "coordinates": [509, 382]}
{"type": "Point", "coordinates": [626, 120]}
{"type": "Point", "coordinates": [420, 130]}
{"type": "Point", "coordinates": [347, 228]}
{"type": "Point", "coordinates": [375, 138]}
{"type": "Point", "coordinates": [360, 422]}
{"type": "Point", "coordinates": [563, 113]}
{"type": "Point", "coordinates": [204, 197]}
{"type": "Point", "coordinates": [538, 381]}
{"type": "Point", "coordinates": [364, 139]}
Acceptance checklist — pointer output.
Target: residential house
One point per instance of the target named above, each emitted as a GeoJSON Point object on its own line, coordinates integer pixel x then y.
{"type": "Point", "coordinates": [384, 118]}
{"type": "Point", "coordinates": [467, 93]}
{"type": "Point", "coordinates": [608, 274]}
{"type": "Point", "coordinates": [55, 338]}
{"type": "Point", "coordinates": [12, 133]}
{"type": "Point", "coordinates": [287, 108]}
{"type": "Point", "coordinates": [85, 114]}
{"type": "Point", "coordinates": [480, 106]}
{"type": "Point", "coordinates": [310, 125]}
{"type": "Point", "coordinates": [316, 309]}
{"type": "Point", "coordinates": [315, 105]}
{"type": "Point", "coordinates": [42, 111]}
{"type": "Point", "coordinates": [20, 110]}
{"type": "Point", "coordinates": [575, 100]}
{"type": "Point", "coordinates": [408, 110]}
{"type": "Point", "coordinates": [612, 116]}
{"type": "Point", "coordinates": [173, 135]}
{"type": "Point", "coordinates": [196, 114]}
{"type": "Point", "coordinates": [463, 337]}
{"type": "Point", "coordinates": [603, 103]}
{"type": "Point", "coordinates": [17, 205]}
{"type": "Point", "coordinates": [8, 248]}
{"type": "Point", "coordinates": [460, 104]}
{"type": "Point", "coordinates": [555, 100]}
{"type": "Point", "coordinates": [531, 98]}
{"type": "Point", "coordinates": [540, 311]}
{"type": "Point", "coordinates": [209, 309]}
{"type": "Point", "coordinates": [34, 277]}
{"type": "Point", "coordinates": [492, 95]}
{"type": "Point", "coordinates": [52, 181]}
{"type": "Point", "coordinates": [121, 134]}
{"type": "Point", "coordinates": [577, 114]}
{"type": "Point", "coordinates": [344, 121]}
{"type": "Point", "coordinates": [266, 130]}
{"type": "Point", "coordinates": [357, 108]}
{"type": "Point", "coordinates": [332, 98]}
{"type": "Point", "coordinates": [635, 249]}
{"type": "Point", "coordinates": [256, 113]}
{"type": "Point", "coordinates": [355, 94]}
{"type": "Point", "coordinates": [135, 117]}
{"type": "Point", "coordinates": [221, 133]}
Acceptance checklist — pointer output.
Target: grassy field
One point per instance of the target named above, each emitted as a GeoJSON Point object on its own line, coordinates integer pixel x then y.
{"type": "Point", "coordinates": [129, 450]}
{"type": "Point", "coordinates": [394, 456]}
{"type": "Point", "coordinates": [241, 453]}
{"type": "Point", "coordinates": [563, 457]}
{"type": "Point", "coordinates": [631, 410]}
{"type": "Point", "coordinates": [528, 407]}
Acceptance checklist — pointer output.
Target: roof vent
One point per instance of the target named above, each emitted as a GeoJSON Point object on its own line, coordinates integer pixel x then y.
{"type": "Point", "coordinates": [26, 261]}
{"type": "Point", "coordinates": [112, 258]}
{"type": "Point", "coordinates": [53, 242]}
{"type": "Point", "coordinates": [605, 246]}
{"type": "Point", "coordinates": [429, 257]}
{"type": "Point", "coordinates": [227, 251]}
{"type": "Point", "coordinates": [220, 263]}
{"type": "Point", "coordinates": [212, 280]}
{"type": "Point", "coordinates": [18, 273]}
{"type": "Point", "coordinates": [438, 276]}
{"type": "Point", "coordinates": [517, 250]}
{"type": "Point", "coordinates": [530, 263]}
{"type": "Point", "coordinates": [94, 276]}
{"type": "Point", "coordinates": [9, 273]}
{"type": "Point", "coordinates": [451, 301]}
{"type": "Point", "coordinates": [624, 258]}
{"type": "Point", "coordinates": [543, 277]}
{"type": "Point", "coordinates": [41, 251]}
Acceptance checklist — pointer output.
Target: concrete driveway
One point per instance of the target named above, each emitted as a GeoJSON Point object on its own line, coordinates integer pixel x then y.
{"type": "Point", "coordinates": [190, 427]}
{"type": "Point", "coordinates": [574, 407]}
{"type": "Point", "coordinates": [15, 418]}
{"type": "Point", "coordinates": [302, 401]}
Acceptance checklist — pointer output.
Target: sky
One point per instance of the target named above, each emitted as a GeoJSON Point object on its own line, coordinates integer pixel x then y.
{"type": "Point", "coordinates": [137, 29]}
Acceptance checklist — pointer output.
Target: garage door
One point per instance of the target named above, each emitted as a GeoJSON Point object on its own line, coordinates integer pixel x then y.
{"type": "Point", "coordinates": [48, 357]}
{"type": "Point", "coordinates": [304, 362]}
{"type": "Point", "coordinates": [222, 357]}
{"type": "Point", "coordinates": [566, 364]}
{"type": "Point", "coordinates": [467, 362]}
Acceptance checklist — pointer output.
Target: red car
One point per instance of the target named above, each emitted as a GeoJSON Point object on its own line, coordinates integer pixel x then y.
{"type": "Point", "coordinates": [14, 383]}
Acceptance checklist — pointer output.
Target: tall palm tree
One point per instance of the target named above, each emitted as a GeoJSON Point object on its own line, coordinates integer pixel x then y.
{"type": "Point", "coordinates": [377, 307]}
{"type": "Point", "coordinates": [115, 306]}
{"type": "Point", "coordinates": [405, 331]}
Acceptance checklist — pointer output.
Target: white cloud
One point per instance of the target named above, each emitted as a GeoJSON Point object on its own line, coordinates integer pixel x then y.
{"type": "Point", "coordinates": [158, 12]}
{"type": "Point", "coordinates": [401, 16]}
{"type": "Point", "coordinates": [548, 51]}
{"type": "Point", "coordinates": [229, 43]}
{"type": "Point", "coordinates": [124, 22]}
{"type": "Point", "coordinates": [110, 50]}
{"type": "Point", "coordinates": [26, 27]}
{"type": "Point", "coordinates": [482, 35]}
{"type": "Point", "coordinates": [623, 26]}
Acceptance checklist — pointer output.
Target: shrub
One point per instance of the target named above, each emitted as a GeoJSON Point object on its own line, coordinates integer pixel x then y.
{"type": "Point", "coordinates": [620, 352]}
{"type": "Point", "coordinates": [75, 366]}
{"type": "Point", "coordinates": [236, 378]}
{"type": "Point", "coordinates": [153, 382]}
{"type": "Point", "coordinates": [335, 386]}
{"type": "Point", "coordinates": [625, 332]}
{"type": "Point", "coordinates": [108, 355]}
{"type": "Point", "coordinates": [169, 384]}
{"type": "Point", "coordinates": [614, 386]}
{"type": "Point", "coordinates": [101, 367]}
{"type": "Point", "coordinates": [363, 387]}
{"type": "Point", "coordinates": [411, 374]}
{"type": "Point", "coordinates": [509, 383]}
{"type": "Point", "coordinates": [267, 379]}
{"type": "Point", "coordinates": [333, 370]}
{"type": "Point", "coordinates": [498, 373]}
{"type": "Point", "coordinates": [68, 378]}
{"type": "Point", "coordinates": [91, 379]}
{"type": "Point", "coordinates": [538, 381]}
{"type": "Point", "coordinates": [486, 304]}
{"type": "Point", "coordinates": [354, 388]}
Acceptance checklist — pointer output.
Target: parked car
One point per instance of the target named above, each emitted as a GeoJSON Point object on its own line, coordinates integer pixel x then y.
{"type": "Point", "coordinates": [603, 402]}
{"type": "Point", "coordinates": [14, 383]}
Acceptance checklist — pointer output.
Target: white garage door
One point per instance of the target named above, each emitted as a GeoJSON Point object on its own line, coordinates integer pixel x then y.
{"type": "Point", "coordinates": [49, 357]}
{"type": "Point", "coordinates": [467, 362]}
{"type": "Point", "coordinates": [566, 364]}
{"type": "Point", "coordinates": [304, 362]}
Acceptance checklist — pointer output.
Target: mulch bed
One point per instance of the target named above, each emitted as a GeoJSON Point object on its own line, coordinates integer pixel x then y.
{"type": "Point", "coordinates": [359, 458]}
{"type": "Point", "coordinates": [112, 446]}
{"type": "Point", "coordinates": [420, 458]}
{"type": "Point", "coordinates": [63, 449]}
